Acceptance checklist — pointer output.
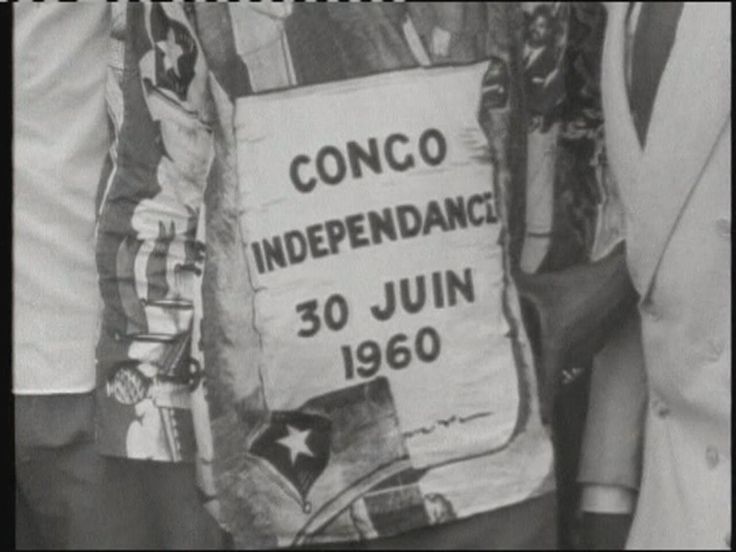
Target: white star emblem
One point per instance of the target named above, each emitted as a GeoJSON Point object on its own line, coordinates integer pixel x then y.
{"type": "Point", "coordinates": [296, 442]}
{"type": "Point", "coordinates": [172, 51]}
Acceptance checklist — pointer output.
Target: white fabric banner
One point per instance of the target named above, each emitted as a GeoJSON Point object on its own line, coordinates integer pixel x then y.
{"type": "Point", "coordinates": [374, 251]}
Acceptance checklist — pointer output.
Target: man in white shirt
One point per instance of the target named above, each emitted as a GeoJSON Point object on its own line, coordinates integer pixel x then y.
{"type": "Point", "coordinates": [67, 496]}
{"type": "Point", "coordinates": [60, 140]}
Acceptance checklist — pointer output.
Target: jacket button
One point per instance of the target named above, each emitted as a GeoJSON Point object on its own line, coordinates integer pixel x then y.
{"type": "Point", "coordinates": [714, 349]}
{"type": "Point", "coordinates": [660, 408]}
{"type": "Point", "coordinates": [723, 227]}
{"type": "Point", "coordinates": [650, 310]}
{"type": "Point", "coordinates": [711, 456]}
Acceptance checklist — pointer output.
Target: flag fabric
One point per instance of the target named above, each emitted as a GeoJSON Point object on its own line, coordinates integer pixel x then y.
{"type": "Point", "coordinates": [297, 445]}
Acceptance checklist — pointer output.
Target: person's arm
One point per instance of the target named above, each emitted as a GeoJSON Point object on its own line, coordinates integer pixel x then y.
{"type": "Point", "coordinates": [147, 253]}
{"type": "Point", "coordinates": [610, 464]}
{"type": "Point", "coordinates": [576, 307]}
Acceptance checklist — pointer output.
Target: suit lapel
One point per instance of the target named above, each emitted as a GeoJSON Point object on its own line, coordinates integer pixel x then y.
{"type": "Point", "coordinates": [692, 106]}
{"type": "Point", "coordinates": [622, 144]}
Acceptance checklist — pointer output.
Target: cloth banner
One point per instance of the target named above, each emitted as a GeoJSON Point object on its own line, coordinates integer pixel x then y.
{"type": "Point", "coordinates": [388, 331]}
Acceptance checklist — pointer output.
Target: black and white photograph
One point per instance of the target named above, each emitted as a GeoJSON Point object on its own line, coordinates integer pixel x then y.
{"type": "Point", "coordinates": [371, 275]}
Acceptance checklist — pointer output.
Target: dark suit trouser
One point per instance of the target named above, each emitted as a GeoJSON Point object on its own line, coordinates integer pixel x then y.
{"type": "Point", "coordinates": [70, 497]}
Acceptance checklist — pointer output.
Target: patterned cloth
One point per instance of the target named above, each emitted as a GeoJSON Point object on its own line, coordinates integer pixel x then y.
{"type": "Point", "coordinates": [171, 102]}
{"type": "Point", "coordinates": [147, 254]}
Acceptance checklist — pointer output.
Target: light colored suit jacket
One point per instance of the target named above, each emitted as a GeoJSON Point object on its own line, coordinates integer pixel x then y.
{"type": "Point", "coordinates": [677, 197]}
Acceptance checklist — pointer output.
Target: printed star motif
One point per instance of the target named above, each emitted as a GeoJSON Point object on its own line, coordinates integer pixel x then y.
{"type": "Point", "coordinates": [172, 51]}
{"type": "Point", "coordinates": [296, 442]}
